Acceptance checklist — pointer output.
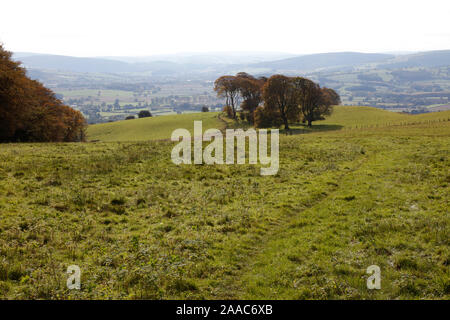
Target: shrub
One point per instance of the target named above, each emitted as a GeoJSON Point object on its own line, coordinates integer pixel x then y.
{"type": "Point", "coordinates": [266, 118]}
{"type": "Point", "coordinates": [144, 114]}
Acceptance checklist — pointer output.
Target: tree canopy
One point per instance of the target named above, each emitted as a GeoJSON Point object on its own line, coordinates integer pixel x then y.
{"type": "Point", "coordinates": [31, 112]}
{"type": "Point", "coordinates": [276, 100]}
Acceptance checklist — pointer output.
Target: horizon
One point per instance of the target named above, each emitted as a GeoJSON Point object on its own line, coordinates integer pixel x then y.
{"type": "Point", "coordinates": [225, 53]}
{"type": "Point", "coordinates": [109, 29]}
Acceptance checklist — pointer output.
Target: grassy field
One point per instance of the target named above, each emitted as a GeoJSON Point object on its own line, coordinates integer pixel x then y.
{"type": "Point", "coordinates": [158, 128]}
{"type": "Point", "coordinates": [154, 128]}
{"type": "Point", "coordinates": [140, 227]}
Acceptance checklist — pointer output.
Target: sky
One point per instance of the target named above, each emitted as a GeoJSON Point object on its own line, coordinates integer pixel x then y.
{"type": "Point", "coordinates": [143, 28]}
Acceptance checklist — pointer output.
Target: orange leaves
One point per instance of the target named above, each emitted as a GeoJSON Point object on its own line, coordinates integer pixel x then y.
{"type": "Point", "coordinates": [30, 112]}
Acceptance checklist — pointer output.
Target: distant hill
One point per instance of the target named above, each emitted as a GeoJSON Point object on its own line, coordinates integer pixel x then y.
{"type": "Point", "coordinates": [324, 60]}
{"type": "Point", "coordinates": [216, 64]}
{"type": "Point", "coordinates": [429, 59]}
{"type": "Point", "coordinates": [75, 64]}
{"type": "Point", "coordinates": [210, 58]}
{"type": "Point", "coordinates": [158, 64]}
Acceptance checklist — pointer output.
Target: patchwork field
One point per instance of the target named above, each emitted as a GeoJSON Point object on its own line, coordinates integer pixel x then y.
{"type": "Point", "coordinates": [138, 226]}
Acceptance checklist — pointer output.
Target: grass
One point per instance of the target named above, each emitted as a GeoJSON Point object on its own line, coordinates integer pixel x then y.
{"type": "Point", "coordinates": [140, 227]}
{"type": "Point", "coordinates": [360, 117]}
{"type": "Point", "coordinates": [154, 128]}
{"type": "Point", "coordinates": [343, 117]}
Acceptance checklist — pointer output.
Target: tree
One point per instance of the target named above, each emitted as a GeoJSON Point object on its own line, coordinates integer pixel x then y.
{"type": "Point", "coordinates": [227, 87]}
{"type": "Point", "coordinates": [313, 102]}
{"type": "Point", "coordinates": [31, 112]}
{"type": "Point", "coordinates": [278, 95]}
{"type": "Point", "coordinates": [144, 114]}
{"type": "Point", "coordinates": [332, 96]}
{"type": "Point", "coordinates": [251, 91]}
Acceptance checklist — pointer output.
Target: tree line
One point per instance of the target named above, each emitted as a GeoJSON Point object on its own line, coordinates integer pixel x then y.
{"type": "Point", "coordinates": [31, 112]}
{"type": "Point", "coordinates": [278, 100]}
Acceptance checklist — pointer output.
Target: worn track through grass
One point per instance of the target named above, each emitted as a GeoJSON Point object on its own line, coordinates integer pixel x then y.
{"type": "Point", "coordinates": [233, 286]}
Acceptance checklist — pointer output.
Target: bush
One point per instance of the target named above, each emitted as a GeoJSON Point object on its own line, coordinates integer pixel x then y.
{"type": "Point", "coordinates": [205, 109]}
{"type": "Point", "coordinates": [129, 118]}
{"type": "Point", "coordinates": [266, 118]}
{"type": "Point", "coordinates": [144, 114]}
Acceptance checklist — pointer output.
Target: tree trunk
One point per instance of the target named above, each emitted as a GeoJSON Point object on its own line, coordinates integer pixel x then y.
{"type": "Point", "coordinates": [309, 123]}
{"type": "Point", "coordinates": [286, 125]}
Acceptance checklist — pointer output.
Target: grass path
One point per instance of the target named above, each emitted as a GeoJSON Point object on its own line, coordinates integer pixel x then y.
{"type": "Point", "coordinates": [237, 285]}
{"type": "Point", "coordinates": [374, 213]}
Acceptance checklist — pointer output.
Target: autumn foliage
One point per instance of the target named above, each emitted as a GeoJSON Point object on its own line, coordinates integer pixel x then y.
{"type": "Point", "coordinates": [277, 100]}
{"type": "Point", "coordinates": [30, 112]}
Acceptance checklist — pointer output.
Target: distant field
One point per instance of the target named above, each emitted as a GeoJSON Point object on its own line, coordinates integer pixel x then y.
{"type": "Point", "coordinates": [154, 128]}
{"type": "Point", "coordinates": [366, 116]}
{"type": "Point", "coordinates": [106, 95]}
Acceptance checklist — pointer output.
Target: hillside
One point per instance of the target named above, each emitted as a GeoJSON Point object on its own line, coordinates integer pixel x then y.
{"type": "Point", "coordinates": [351, 117]}
{"type": "Point", "coordinates": [74, 64]}
{"type": "Point", "coordinates": [428, 59]}
{"type": "Point", "coordinates": [154, 128]}
{"type": "Point", "coordinates": [323, 60]}
{"type": "Point", "coordinates": [141, 227]}
{"type": "Point", "coordinates": [161, 127]}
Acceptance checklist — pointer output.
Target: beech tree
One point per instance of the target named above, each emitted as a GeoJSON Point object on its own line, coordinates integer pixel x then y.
{"type": "Point", "coordinates": [278, 94]}
{"type": "Point", "coordinates": [227, 87]}
{"type": "Point", "coordinates": [332, 96]}
{"type": "Point", "coordinates": [31, 112]}
{"type": "Point", "coordinates": [251, 91]}
{"type": "Point", "coordinates": [313, 102]}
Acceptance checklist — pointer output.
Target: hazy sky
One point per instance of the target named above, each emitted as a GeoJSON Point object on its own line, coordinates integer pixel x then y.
{"type": "Point", "coordinates": [138, 28]}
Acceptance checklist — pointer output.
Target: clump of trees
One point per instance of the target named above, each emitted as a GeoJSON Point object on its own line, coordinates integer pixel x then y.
{"type": "Point", "coordinates": [31, 112]}
{"type": "Point", "coordinates": [278, 100]}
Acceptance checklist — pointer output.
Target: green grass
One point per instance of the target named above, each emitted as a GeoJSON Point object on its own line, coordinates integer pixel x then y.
{"type": "Point", "coordinates": [155, 128]}
{"type": "Point", "coordinates": [351, 117]}
{"type": "Point", "coordinates": [343, 117]}
{"type": "Point", "coordinates": [140, 227]}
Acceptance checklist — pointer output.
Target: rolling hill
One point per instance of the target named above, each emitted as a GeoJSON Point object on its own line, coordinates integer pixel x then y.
{"type": "Point", "coordinates": [154, 128]}
{"type": "Point", "coordinates": [75, 64]}
{"type": "Point", "coordinates": [429, 59]}
{"type": "Point", "coordinates": [201, 63]}
{"type": "Point", "coordinates": [161, 127]}
{"type": "Point", "coordinates": [323, 60]}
